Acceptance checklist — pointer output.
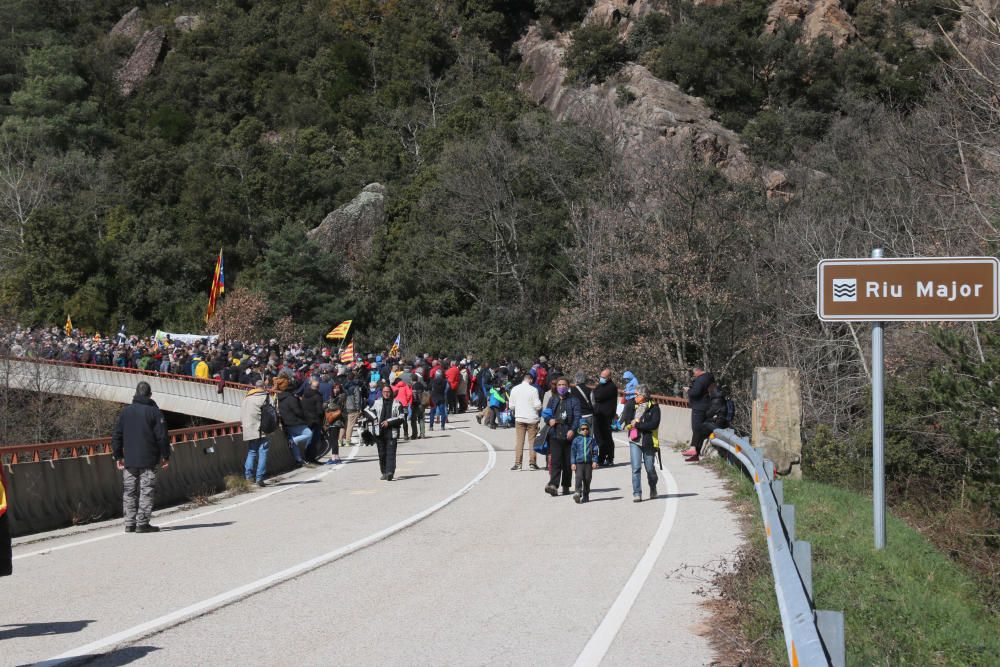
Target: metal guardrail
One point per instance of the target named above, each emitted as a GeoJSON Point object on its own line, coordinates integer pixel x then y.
{"type": "Point", "coordinates": [53, 451]}
{"type": "Point", "coordinates": [812, 637]}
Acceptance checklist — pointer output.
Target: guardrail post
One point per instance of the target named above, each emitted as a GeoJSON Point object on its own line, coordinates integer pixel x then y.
{"type": "Point", "coordinates": [769, 469]}
{"type": "Point", "coordinates": [802, 555]}
{"type": "Point", "coordinates": [788, 519]}
{"type": "Point", "coordinates": [778, 487]}
{"type": "Point", "coordinates": [831, 630]}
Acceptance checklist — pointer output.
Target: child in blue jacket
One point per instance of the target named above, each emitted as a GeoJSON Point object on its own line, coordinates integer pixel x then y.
{"type": "Point", "coordinates": [583, 458]}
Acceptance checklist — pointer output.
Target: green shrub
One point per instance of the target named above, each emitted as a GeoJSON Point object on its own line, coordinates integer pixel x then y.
{"type": "Point", "coordinates": [596, 54]}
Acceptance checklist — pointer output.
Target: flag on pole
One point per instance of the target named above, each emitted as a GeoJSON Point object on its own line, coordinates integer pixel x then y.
{"type": "Point", "coordinates": [339, 332]}
{"type": "Point", "coordinates": [122, 336]}
{"type": "Point", "coordinates": [69, 326]}
{"type": "Point", "coordinates": [394, 350]}
{"type": "Point", "coordinates": [218, 287]}
{"type": "Point", "coordinates": [347, 355]}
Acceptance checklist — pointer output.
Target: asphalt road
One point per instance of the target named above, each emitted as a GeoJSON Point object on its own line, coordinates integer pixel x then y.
{"type": "Point", "coordinates": [459, 561]}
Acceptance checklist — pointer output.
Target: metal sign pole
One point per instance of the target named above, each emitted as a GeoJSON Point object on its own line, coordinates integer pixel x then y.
{"type": "Point", "coordinates": [878, 430]}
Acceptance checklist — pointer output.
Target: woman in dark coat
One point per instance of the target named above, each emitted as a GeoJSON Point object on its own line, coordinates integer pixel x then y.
{"type": "Point", "coordinates": [293, 419]}
{"type": "Point", "coordinates": [312, 408]}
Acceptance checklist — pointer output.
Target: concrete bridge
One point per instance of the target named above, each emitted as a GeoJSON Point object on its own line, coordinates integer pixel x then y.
{"type": "Point", "coordinates": [458, 561]}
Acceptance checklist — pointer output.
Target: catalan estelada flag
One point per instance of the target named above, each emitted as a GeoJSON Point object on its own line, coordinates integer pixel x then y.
{"type": "Point", "coordinates": [339, 332]}
{"type": "Point", "coordinates": [68, 328]}
{"type": "Point", "coordinates": [218, 287]}
{"type": "Point", "coordinates": [394, 349]}
{"type": "Point", "coordinates": [347, 356]}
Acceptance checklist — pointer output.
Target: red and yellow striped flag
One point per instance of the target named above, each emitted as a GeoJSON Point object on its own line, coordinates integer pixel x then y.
{"type": "Point", "coordinates": [218, 287]}
{"type": "Point", "coordinates": [339, 332]}
{"type": "Point", "coordinates": [347, 356]}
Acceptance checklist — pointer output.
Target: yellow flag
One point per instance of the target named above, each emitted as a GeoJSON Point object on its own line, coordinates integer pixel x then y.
{"type": "Point", "coordinates": [69, 326]}
{"type": "Point", "coordinates": [339, 332]}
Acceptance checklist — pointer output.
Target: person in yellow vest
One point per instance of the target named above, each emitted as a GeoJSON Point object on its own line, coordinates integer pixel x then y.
{"type": "Point", "coordinates": [6, 555]}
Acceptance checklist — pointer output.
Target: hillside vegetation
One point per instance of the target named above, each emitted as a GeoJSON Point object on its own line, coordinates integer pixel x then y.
{"type": "Point", "coordinates": [505, 232]}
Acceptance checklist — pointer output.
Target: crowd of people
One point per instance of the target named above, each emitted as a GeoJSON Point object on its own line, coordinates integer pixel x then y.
{"type": "Point", "coordinates": [320, 404]}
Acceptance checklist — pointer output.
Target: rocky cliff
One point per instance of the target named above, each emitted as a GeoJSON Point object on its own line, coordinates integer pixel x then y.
{"type": "Point", "coordinates": [350, 228]}
{"type": "Point", "coordinates": [635, 108]}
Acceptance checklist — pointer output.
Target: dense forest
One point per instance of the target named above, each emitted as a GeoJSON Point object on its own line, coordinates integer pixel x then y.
{"type": "Point", "coordinates": [507, 230]}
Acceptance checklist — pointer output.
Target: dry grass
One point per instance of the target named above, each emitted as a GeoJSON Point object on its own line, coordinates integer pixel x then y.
{"type": "Point", "coordinates": [236, 484]}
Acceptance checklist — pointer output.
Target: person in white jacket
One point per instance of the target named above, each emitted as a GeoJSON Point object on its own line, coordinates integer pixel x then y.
{"type": "Point", "coordinates": [526, 404]}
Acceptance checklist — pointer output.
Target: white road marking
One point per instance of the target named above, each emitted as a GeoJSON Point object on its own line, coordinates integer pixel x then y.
{"type": "Point", "coordinates": [255, 498]}
{"type": "Point", "coordinates": [223, 599]}
{"type": "Point", "coordinates": [600, 642]}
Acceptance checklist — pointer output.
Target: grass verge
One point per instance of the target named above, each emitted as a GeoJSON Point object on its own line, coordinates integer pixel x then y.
{"type": "Point", "coordinates": [907, 605]}
{"type": "Point", "coordinates": [237, 484]}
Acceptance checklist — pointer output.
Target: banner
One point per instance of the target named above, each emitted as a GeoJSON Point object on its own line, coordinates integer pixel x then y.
{"type": "Point", "coordinates": [339, 332]}
{"type": "Point", "coordinates": [186, 338]}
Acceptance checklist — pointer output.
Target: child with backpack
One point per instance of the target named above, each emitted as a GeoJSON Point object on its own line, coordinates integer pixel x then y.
{"type": "Point", "coordinates": [583, 461]}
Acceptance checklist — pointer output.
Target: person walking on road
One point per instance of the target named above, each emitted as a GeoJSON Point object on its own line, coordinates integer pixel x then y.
{"type": "Point", "coordinates": [631, 382]}
{"type": "Point", "coordinates": [605, 403]}
{"type": "Point", "coordinates": [389, 417]}
{"type": "Point", "coordinates": [255, 466]}
{"type": "Point", "coordinates": [421, 401]}
{"type": "Point", "coordinates": [138, 445]}
{"type": "Point", "coordinates": [644, 440]}
{"type": "Point", "coordinates": [526, 404]}
{"type": "Point", "coordinates": [563, 423]}
{"type": "Point", "coordinates": [583, 460]}
{"type": "Point", "coordinates": [353, 405]}
{"type": "Point", "coordinates": [334, 415]}
{"type": "Point", "coordinates": [439, 389]}
{"type": "Point", "coordinates": [699, 400]}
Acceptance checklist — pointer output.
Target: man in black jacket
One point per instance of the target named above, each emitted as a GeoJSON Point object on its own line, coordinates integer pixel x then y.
{"type": "Point", "coordinates": [140, 443]}
{"type": "Point", "coordinates": [605, 401]}
{"type": "Point", "coordinates": [698, 399]}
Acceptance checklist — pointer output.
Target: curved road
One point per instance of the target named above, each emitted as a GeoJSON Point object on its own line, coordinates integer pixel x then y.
{"type": "Point", "coordinates": [460, 561]}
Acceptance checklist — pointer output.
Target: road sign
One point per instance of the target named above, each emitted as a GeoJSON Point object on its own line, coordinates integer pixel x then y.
{"type": "Point", "coordinates": [941, 289]}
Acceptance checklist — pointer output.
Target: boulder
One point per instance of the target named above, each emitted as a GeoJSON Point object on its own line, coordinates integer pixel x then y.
{"type": "Point", "coordinates": [187, 23]}
{"type": "Point", "coordinates": [819, 18]}
{"type": "Point", "coordinates": [829, 19]}
{"type": "Point", "coordinates": [142, 61]}
{"type": "Point", "coordinates": [348, 230]}
{"type": "Point", "coordinates": [128, 26]}
{"type": "Point", "coordinates": [658, 111]}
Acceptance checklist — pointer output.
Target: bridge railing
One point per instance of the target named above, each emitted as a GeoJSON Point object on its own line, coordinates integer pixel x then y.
{"type": "Point", "coordinates": [812, 637]}
{"type": "Point", "coordinates": [63, 449]}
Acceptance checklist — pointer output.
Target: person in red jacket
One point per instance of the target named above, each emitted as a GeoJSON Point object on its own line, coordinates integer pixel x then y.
{"type": "Point", "coordinates": [404, 395]}
{"type": "Point", "coordinates": [454, 377]}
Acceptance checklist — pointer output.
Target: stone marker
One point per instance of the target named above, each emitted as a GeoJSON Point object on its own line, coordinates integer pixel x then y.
{"type": "Point", "coordinates": [777, 418]}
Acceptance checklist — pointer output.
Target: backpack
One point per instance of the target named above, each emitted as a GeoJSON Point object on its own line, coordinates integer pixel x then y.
{"type": "Point", "coordinates": [352, 403]}
{"type": "Point", "coordinates": [268, 417]}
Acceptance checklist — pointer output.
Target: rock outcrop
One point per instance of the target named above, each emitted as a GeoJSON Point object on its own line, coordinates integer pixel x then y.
{"type": "Point", "coordinates": [187, 23]}
{"type": "Point", "coordinates": [348, 230]}
{"type": "Point", "coordinates": [636, 108]}
{"type": "Point", "coordinates": [142, 61]}
{"type": "Point", "coordinates": [128, 26]}
{"type": "Point", "coordinates": [820, 18]}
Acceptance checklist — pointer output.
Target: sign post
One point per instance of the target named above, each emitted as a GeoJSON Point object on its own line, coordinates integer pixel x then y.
{"type": "Point", "coordinates": [913, 289]}
{"type": "Point", "coordinates": [878, 429]}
